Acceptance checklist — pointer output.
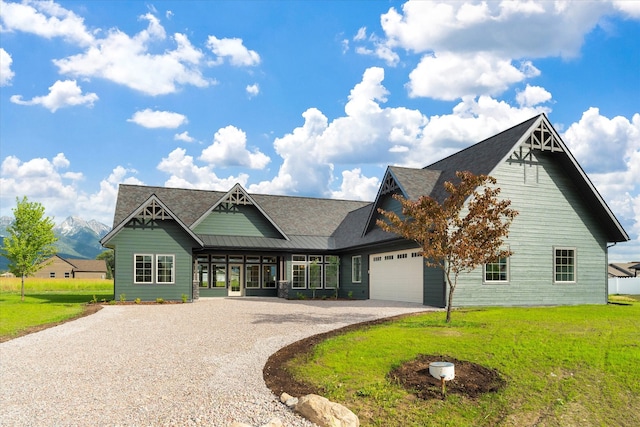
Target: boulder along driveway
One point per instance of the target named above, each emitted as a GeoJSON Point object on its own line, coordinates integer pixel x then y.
{"type": "Point", "coordinates": [158, 365]}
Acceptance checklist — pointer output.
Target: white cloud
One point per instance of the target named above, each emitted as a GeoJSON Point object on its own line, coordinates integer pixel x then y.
{"type": "Point", "coordinates": [186, 174]}
{"type": "Point", "coordinates": [532, 95]}
{"type": "Point", "coordinates": [229, 148]}
{"type": "Point", "coordinates": [356, 186]}
{"type": "Point", "coordinates": [61, 94]}
{"type": "Point", "coordinates": [158, 119]}
{"type": "Point", "coordinates": [371, 134]}
{"type": "Point", "coordinates": [127, 60]}
{"type": "Point", "coordinates": [609, 151]}
{"type": "Point", "coordinates": [601, 144]}
{"type": "Point", "coordinates": [507, 29]}
{"type": "Point", "coordinates": [361, 34]}
{"type": "Point", "coordinates": [449, 76]}
{"type": "Point", "coordinates": [48, 182]}
{"type": "Point", "coordinates": [46, 19]}
{"type": "Point", "coordinates": [253, 90]}
{"type": "Point", "coordinates": [627, 7]}
{"type": "Point", "coordinates": [184, 136]}
{"type": "Point", "coordinates": [472, 49]}
{"type": "Point", "coordinates": [233, 50]}
{"type": "Point", "coordinates": [6, 73]}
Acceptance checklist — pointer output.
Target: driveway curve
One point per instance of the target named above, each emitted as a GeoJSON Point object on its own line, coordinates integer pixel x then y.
{"type": "Point", "coordinates": [158, 365]}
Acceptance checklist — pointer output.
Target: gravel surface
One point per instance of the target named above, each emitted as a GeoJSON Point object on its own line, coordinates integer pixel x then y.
{"type": "Point", "coordinates": [165, 365]}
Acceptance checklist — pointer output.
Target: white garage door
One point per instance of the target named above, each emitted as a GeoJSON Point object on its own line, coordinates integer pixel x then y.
{"type": "Point", "coordinates": [396, 276]}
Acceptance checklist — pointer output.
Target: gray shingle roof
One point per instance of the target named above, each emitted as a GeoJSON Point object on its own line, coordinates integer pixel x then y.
{"type": "Point", "coordinates": [296, 216]}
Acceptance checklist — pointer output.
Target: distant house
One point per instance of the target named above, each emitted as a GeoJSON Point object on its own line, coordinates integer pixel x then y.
{"type": "Point", "coordinates": [170, 242]}
{"type": "Point", "coordinates": [624, 269]}
{"type": "Point", "coordinates": [57, 267]}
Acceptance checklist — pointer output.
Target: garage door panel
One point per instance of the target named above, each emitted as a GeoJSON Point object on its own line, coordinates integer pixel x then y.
{"type": "Point", "coordinates": [396, 276]}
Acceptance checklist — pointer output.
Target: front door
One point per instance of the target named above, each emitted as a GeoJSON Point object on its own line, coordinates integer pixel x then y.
{"type": "Point", "coordinates": [235, 280]}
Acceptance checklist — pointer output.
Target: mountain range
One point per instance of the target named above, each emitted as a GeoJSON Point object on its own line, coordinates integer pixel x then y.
{"type": "Point", "coordinates": [77, 238]}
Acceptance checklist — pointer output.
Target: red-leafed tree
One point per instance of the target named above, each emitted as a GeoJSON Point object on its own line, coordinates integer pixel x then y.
{"type": "Point", "coordinates": [466, 231]}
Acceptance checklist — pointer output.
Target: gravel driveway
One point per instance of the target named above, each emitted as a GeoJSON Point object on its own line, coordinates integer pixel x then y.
{"type": "Point", "coordinates": [179, 364]}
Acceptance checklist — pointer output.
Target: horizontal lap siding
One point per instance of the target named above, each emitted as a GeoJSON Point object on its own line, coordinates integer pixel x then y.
{"type": "Point", "coordinates": [240, 220]}
{"type": "Point", "coordinates": [434, 294]}
{"type": "Point", "coordinates": [165, 237]}
{"type": "Point", "coordinates": [551, 213]}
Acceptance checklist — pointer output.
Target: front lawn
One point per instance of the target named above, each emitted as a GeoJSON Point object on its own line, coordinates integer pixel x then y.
{"type": "Point", "coordinates": [563, 366]}
{"type": "Point", "coordinates": [47, 301]}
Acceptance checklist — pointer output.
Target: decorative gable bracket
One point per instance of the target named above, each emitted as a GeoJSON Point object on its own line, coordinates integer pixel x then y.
{"type": "Point", "coordinates": [152, 210]}
{"type": "Point", "coordinates": [390, 185]}
{"type": "Point", "coordinates": [542, 138]}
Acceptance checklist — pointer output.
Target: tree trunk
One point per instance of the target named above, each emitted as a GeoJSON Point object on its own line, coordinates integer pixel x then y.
{"type": "Point", "coordinates": [22, 289]}
{"type": "Point", "coordinates": [450, 302]}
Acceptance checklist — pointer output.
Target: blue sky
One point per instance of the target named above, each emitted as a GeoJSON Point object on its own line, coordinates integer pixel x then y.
{"type": "Point", "coordinates": [310, 98]}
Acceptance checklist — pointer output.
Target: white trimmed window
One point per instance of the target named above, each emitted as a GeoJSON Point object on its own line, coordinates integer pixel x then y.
{"type": "Point", "coordinates": [331, 271]}
{"type": "Point", "coordinates": [356, 269]}
{"type": "Point", "coordinates": [299, 272]}
{"type": "Point", "coordinates": [315, 272]}
{"type": "Point", "coordinates": [143, 268]}
{"type": "Point", "coordinates": [165, 269]}
{"type": "Point", "coordinates": [564, 265]}
{"type": "Point", "coordinates": [252, 275]}
{"type": "Point", "coordinates": [497, 271]}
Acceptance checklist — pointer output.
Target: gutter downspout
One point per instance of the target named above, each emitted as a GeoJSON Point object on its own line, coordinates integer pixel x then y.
{"type": "Point", "coordinates": [606, 257]}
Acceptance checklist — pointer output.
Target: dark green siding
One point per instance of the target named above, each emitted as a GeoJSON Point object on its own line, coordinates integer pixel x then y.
{"type": "Point", "coordinates": [434, 288]}
{"type": "Point", "coordinates": [551, 214]}
{"type": "Point", "coordinates": [358, 290]}
{"type": "Point", "coordinates": [164, 237]}
{"type": "Point", "coordinates": [237, 220]}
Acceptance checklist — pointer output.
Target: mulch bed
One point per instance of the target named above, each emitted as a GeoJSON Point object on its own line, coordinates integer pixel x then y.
{"type": "Point", "coordinates": [471, 380]}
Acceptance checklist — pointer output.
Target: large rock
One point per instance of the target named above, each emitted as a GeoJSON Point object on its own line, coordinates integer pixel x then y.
{"type": "Point", "coordinates": [325, 413]}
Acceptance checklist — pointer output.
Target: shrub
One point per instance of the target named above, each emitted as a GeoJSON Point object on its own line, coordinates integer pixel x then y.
{"type": "Point", "coordinates": [137, 300]}
{"type": "Point", "coordinates": [160, 300]}
{"type": "Point", "coordinates": [123, 297]}
{"type": "Point", "coordinates": [184, 298]}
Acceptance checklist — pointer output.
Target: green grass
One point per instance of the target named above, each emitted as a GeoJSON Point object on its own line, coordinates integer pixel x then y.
{"type": "Point", "coordinates": [564, 366]}
{"type": "Point", "coordinates": [47, 301]}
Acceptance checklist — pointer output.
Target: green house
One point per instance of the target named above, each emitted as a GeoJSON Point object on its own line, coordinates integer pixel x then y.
{"type": "Point", "coordinates": [171, 242]}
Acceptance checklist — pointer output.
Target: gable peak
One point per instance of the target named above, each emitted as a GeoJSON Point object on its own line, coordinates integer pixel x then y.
{"type": "Point", "coordinates": [543, 138]}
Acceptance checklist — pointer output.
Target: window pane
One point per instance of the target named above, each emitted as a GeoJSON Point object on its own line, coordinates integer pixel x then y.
{"type": "Point", "coordinates": [299, 277]}
{"type": "Point", "coordinates": [143, 268]}
{"type": "Point", "coordinates": [253, 276]}
{"type": "Point", "coordinates": [164, 268]}
{"type": "Point", "coordinates": [203, 275]}
{"type": "Point", "coordinates": [496, 271]}
{"type": "Point", "coordinates": [356, 269]}
{"type": "Point", "coordinates": [269, 276]}
{"type": "Point", "coordinates": [315, 275]}
{"type": "Point", "coordinates": [565, 265]}
{"type": "Point", "coordinates": [220, 275]}
{"type": "Point", "coordinates": [331, 276]}
{"type": "Point", "coordinates": [269, 259]}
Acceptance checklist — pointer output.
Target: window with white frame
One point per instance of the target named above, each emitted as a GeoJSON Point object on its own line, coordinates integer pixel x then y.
{"type": "Point", "coordinates": [356, 269]}
{"type": "Point", "coordinates": [331, 271]}
{"type": "Point", "coordinates": [252, 275]}
{"type": "Point", "coordinates": [143, 268]}
{"type": "Point", "coordinates": [299, 272]}
{"type": "Point", "coordinates": [564, 265]}
{"type": "Point", "coordinates": [165, 269]}
{"type": "Point", "coordinates": [315, 271]}
{"type": "Point", "coordinates": [497, 271]}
